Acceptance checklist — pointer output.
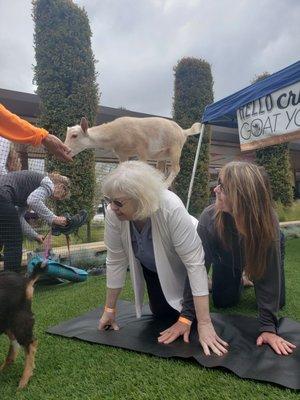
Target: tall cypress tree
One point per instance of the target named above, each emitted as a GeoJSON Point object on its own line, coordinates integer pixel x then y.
{"type": "Point", "coordinates": [276, 161]}
{"type": "Point", "coordinates": [193, 90]}
{"type": "Point", "coordinates": [66, 83]}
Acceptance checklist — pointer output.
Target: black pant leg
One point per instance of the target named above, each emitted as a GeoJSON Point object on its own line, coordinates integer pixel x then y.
{"type": "Point", "coordinates": [157, 301]}
{"type": "Point", "coordinates": [10, 235]}
{"type": "Point", "coordinates": [226, 285]}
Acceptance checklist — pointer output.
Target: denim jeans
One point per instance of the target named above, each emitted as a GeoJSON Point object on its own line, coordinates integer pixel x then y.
{"type": "Point", "coordinates": [10, 235]}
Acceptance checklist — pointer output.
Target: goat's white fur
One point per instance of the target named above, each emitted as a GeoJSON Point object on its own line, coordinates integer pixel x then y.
{"type": "Point", "coordinates": [151, 138]}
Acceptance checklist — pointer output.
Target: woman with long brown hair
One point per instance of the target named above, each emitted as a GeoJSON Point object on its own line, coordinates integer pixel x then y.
{"type": "Point", "coordinates": [240, 233]}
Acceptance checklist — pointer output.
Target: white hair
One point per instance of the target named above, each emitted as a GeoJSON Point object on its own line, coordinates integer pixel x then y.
{"type": "Point", "coordinates": [138, 181]}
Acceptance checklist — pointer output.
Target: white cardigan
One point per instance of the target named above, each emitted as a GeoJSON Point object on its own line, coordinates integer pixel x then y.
{"type": "Point", "coordinates": [177, 250]}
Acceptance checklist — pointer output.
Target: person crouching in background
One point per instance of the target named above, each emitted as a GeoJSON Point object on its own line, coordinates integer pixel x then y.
{"type": "Point", "coordinates": [18, 191]}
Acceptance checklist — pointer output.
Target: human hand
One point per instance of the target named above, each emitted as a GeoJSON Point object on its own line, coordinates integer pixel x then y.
{"type": "Point", "coordinates": [277, 343]}
{"type": "Point", "coordinates": [40, 239]}
{"type": "Point", "coordinates": [107, 321]}
{"type": "Point", "coordinates": [178, 329]}
{"type": "Point", "coordinates": [210, 340]}
{"type": "Point", "coordinates": [62, 221]}
{"type": "Point", "coordinates": [56, 147]}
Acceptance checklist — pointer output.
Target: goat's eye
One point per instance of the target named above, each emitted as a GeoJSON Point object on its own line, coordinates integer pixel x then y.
{"type": "Point", "coordinates": [74, 135]}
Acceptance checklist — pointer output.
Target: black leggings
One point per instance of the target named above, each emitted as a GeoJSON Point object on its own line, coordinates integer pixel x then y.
{"type": "Point", "coordinates": [10, 235]}
{"type": "Point", "coordinates": [227, 283]}
{"type": "Point", "coordinates": [157, 301]}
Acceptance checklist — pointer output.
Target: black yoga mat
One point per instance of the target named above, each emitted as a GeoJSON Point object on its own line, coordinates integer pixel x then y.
{"type": "Point", "coordinates": [244, 358]}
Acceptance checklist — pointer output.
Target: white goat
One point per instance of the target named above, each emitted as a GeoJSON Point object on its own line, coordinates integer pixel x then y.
{"type": "Point", "coordinates": [151, 138]}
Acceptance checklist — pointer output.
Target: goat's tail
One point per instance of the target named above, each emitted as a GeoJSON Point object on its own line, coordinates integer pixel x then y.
{"type": "Point", "coordinates": [193, 130]}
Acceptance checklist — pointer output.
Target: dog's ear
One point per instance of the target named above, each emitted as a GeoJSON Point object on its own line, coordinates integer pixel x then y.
{"type": "Point", "coordinates": [84, 125]}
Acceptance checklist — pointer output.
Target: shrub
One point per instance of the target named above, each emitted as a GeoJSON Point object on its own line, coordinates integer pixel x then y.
{"type": "Point", "coordinates": [192, 92]}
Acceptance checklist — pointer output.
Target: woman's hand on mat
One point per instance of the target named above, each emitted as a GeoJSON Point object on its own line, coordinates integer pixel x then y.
{"type": "Point", "coordinates": [62, 221]}
{"type": "Point", "coordinates": [172, 333]}
{"type": "Point", "coordinates": [210, 340]}
{"type": "Point", "coordinates": [278, 344]}
{"type": "Point", "coordinates": [108, 321]}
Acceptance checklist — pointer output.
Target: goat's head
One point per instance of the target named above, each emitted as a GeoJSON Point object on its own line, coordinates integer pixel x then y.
{"type": "Point", "coordinates": [77, 137]}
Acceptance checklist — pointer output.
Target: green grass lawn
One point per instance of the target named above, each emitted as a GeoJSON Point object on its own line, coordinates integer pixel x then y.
{"type": "Point", "coordinates": [71, 369]}
{"type": "Point", "coordinates": [288, 213]}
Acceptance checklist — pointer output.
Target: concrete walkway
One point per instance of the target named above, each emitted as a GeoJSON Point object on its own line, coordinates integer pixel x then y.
{"type": "Point", "coordinates": [288, 223]}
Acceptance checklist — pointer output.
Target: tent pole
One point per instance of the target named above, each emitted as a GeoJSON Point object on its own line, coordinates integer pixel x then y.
{"type": "Point", "coordinates": [194, 167]}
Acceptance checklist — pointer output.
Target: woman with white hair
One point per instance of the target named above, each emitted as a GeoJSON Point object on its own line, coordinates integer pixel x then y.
{"type": "Point", "coordinates": [148, 228]}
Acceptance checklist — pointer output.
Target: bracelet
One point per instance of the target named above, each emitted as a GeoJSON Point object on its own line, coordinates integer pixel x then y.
{"type": "Point", "coordinates": [185, 321]}
{"type": "Point", "coordinates": [108, 309]}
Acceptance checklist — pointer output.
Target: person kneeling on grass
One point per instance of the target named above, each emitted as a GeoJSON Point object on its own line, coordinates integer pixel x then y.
{"type": "Point", "coordinates": [148, 228]}
{"type": "Point", "coordinates": [240, 232]}
{"type": "Point", "coordinates": [18, 191]}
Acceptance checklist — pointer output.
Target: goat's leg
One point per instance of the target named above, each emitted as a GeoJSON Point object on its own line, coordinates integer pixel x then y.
{"type": "Point", "coordinates": [30, 351]}
{"type": "Point", "coordinates": [142, 153]}
{"type": "Point", "coordinates": [175, 167]}
{"type": "Point", "coordinates": [12, 351]}
{"type": "Point", "coordinates": [161, 166]}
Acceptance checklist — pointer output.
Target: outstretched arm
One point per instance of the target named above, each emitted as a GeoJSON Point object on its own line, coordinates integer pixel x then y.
{"type": "Point", "coordinates": [19, 130]}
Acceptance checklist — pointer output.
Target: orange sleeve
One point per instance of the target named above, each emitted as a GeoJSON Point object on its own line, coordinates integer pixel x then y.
{"type": "Point", "coordinates": [19, 130]}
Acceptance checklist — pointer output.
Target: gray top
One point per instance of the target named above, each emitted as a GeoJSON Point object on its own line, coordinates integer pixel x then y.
{"type": "Point", "coordinates": [142, 245]}
{"type": "Point", "coordinates": [267, 289]}
{"type": "Point", "coordinates": [28, 189]}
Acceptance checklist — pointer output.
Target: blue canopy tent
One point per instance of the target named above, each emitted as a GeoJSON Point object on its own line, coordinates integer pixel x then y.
{"type": "Point", "coordinates": [223, 112]}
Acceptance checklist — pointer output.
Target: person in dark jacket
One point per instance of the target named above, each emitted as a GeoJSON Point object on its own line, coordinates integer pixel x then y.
{"type": "Point", "coordinates": [18, 191]}
{"type": "Point", "coordinates": [240, 232]}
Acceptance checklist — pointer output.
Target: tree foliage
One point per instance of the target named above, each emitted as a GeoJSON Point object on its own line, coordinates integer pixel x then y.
{"type": "Point", "coordinates": [66, 83]}
{"type": "Point", "coordinates": [193, 91]}
{"type": "Point", "coordinates": [276, 161]}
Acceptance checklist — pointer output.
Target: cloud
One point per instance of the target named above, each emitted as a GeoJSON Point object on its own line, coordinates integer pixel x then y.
{"type": "Point", "coordinates": [138, 43]}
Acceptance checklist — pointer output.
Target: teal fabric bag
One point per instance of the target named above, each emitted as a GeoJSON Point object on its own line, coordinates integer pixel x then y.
{"type": "Point", "coordinates": [55, 269]}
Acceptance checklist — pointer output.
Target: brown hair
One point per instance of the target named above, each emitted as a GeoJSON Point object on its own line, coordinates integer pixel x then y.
{"type": "Point", "coordinates": [248, 192]}
{"type": "Point", "coordinates": [57, 179]}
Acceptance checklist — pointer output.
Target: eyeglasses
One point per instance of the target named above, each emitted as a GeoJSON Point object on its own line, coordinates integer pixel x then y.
{"type": "Point", "coordinates": [221, 186]}
{"type": "Point", "coordinates": [117, 203]}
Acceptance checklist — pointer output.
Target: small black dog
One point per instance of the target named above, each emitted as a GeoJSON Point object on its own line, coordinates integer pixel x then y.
{"type": "Point", "coordinates": [16, 318]}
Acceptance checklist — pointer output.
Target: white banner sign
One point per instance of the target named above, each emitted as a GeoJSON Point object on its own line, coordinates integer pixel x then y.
{"type": "Point", "coordinates": [270, 120]}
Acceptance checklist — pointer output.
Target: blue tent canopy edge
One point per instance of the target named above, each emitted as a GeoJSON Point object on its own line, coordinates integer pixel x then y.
{"type": "Point", "coordinates": [223, 112]}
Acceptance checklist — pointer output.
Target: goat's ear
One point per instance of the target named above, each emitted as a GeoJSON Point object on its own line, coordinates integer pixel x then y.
{"type": "Point", "coordinates": [84, 124]}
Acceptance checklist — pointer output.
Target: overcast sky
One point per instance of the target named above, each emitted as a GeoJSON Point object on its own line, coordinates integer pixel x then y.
{"type": "Point", "coordinates": [137, 43]}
